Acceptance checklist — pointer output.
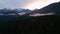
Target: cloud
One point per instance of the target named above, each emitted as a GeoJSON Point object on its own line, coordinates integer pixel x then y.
{"type": "Point", "coordinates": [38, 14]}
{"type": "Point", "coordinates": [30, 4]}
{"type": "Point", "coordinates": [13, 3]}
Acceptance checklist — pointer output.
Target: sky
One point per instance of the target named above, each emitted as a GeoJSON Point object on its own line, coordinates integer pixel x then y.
{"type": "Point", "coordinates": [27, 4]}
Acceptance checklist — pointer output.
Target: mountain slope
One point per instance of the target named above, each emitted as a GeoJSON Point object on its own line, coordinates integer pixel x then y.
{"type": "Point", "coordinates": [52, 8]}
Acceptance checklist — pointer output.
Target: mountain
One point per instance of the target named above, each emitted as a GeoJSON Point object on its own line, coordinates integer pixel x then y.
{"type": "Point", "coordinates": [25, 24]}
{"type": "Point", "coordinates": [47, 24]}
{"type": "Point", "coordinates": [52, 8]}
{"type": "Point", "coordinates": [19, 11]}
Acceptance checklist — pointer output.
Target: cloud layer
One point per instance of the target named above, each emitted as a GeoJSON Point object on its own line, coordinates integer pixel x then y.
{"type": "Point", "coordinates": [30, 4]}
{"type": "Point", "coordinates": [13, 3]}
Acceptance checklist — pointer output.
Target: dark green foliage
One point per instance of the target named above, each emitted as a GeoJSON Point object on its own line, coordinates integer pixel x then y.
{"type": "Point", "coordinates": [38, 25]}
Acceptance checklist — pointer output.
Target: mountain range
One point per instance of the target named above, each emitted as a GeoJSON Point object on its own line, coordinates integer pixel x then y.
{"type": "Point", "coordinates": [25, 23]}
{"type": "Point", "coordinates": [25, 13]}
{"type": "Point", "coordinates": [52, 8]}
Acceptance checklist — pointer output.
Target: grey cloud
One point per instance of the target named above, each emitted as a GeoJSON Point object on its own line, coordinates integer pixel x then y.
{"type": "Point", "coordinates": [13, 3]}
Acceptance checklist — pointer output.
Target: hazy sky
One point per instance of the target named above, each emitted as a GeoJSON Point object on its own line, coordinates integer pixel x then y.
{"type": "Point", "coordinates": [30, 4]}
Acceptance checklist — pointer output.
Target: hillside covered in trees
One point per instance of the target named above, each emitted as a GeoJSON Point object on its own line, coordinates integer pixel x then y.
{"type": "Point", "coordinates": [25, 24]}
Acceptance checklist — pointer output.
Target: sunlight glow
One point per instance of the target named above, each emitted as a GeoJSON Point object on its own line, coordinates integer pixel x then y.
{"type": "Point", "coordinates": [39, 4]}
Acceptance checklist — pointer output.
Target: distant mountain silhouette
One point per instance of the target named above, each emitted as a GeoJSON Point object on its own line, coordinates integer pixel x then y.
{"type": "Point", "coordinates": [6, 11]}
{"type": "Point", "coordinates": [52, 8]}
